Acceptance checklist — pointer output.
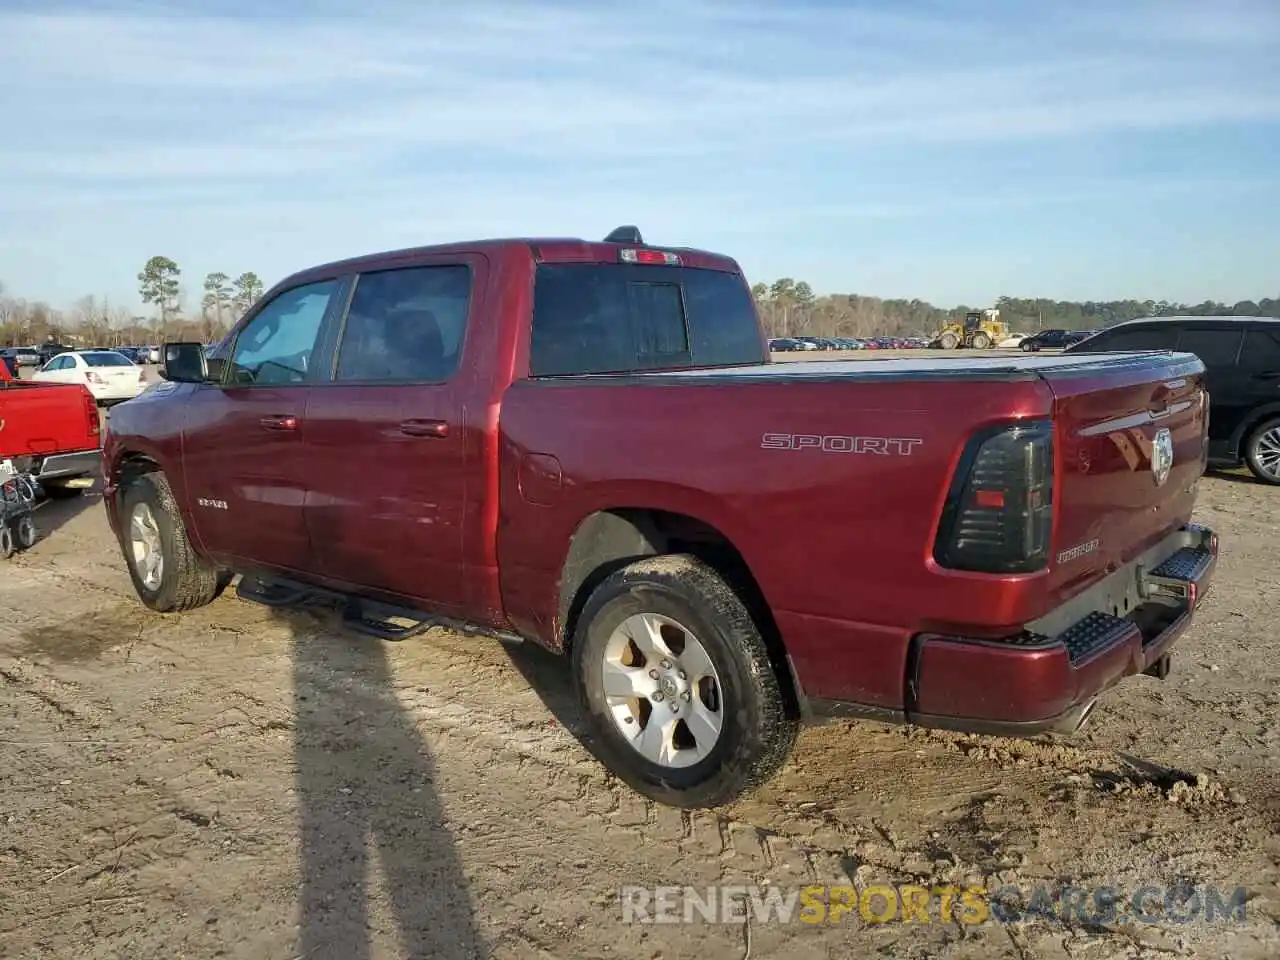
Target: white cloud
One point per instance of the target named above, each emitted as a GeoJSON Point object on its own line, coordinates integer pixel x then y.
{"type": "Point", "coordinates": [477, 116]}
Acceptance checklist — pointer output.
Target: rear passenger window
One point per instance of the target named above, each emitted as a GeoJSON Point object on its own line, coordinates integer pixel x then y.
{"type": "Point", "coordinates": [406, 325]}
{"type": "Point", "coordinates": [1261, 351]}
{"type": "Point", "coordinates": [1214, 347]}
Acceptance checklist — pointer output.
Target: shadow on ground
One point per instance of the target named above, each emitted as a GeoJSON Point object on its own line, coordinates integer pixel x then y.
{"type": "Point", "coordinates": [550, 676]}
{"type": "Point", "coordinates": [1233, 475]}
{"type": "Point", "coordinates": [50, 515]}
{"type": "Point", "coordinates": [369, 805]}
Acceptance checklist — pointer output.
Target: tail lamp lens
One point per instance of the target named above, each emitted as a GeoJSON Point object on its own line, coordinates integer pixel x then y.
{"type": "Point", "coordinates": [999, 512]}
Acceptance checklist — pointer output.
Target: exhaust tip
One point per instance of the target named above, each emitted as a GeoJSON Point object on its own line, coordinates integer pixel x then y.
{"type": "Point", "coordinates": [1085, 715]}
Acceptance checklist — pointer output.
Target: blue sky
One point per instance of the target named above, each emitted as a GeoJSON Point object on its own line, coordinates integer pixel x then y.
{"type": "Point", "coordinates": [950, 151]}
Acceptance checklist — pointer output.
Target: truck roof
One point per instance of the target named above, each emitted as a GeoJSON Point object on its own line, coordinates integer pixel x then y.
{"type": "Point", "coordinates": [542, 249]}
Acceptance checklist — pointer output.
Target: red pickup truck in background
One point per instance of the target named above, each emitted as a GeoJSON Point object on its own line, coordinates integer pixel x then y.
{"type": "Point", "coordinates": [586, 445]}
{"type": "Point", "coordinates": [51, 431]}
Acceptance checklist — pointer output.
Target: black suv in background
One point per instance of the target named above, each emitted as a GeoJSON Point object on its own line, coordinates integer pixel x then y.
{"type": "Point", "coordinates": [1242, 361]}
{"type": "Point", "coordinates": [1048, 339]}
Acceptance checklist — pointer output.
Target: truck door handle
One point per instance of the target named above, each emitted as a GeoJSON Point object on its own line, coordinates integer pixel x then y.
{"type": "Point", "coordinates": [279, 421]}
{"type": "Point", "coordinates": [424, 428]}
{"type": "Point", "coordinates": [1267, 375]}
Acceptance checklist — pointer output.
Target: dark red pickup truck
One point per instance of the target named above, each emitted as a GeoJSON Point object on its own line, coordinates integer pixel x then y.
{"type": "Point", "coordinates": [586, 445]}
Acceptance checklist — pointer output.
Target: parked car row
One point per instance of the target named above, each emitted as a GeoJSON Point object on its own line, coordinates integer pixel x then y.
{"type": "Point", "coordinates": [792, 344]}
{"type": "Point", "coordinates": [109, 375]}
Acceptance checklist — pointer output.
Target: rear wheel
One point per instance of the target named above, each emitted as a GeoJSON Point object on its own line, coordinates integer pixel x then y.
{"type": "Point", "coordinates": [167, 573]}
{"type": "Point", "coordinates": [1262, 452]}
{"type": "Point", "coordinates": [677, 685]}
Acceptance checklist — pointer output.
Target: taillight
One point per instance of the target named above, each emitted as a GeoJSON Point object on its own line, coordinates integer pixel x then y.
{"type": "Point", "coordinates": [142, 376]}
{"type": "Point", "coordinates": [91, 410]}
{"type": "Point", "coordinates": [999, 512]}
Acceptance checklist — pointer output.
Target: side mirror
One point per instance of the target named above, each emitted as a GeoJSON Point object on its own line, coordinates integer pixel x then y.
{"type": "Point", "coordinates": [184, 363]}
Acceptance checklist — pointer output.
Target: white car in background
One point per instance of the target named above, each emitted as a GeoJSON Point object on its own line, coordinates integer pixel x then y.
{"type": "Point", "coordinates": [1012, 341]}
{"type": "Point", "coordinates": [110, 376]}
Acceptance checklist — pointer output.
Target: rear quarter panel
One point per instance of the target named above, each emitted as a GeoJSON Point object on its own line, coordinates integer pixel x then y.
{"type": "Point", "coordinates": [837, 535]}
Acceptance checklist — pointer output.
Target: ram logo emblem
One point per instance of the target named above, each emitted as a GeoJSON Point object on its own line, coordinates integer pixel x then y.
{"type": "Point", "coordinates": [1161, 456]}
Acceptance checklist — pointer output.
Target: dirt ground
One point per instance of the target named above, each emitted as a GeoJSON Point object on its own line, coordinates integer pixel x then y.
{"type": "Point", "coordinates": [242, 783]}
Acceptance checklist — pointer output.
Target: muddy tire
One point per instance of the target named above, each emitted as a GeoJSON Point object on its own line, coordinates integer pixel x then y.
{"type": "Point", "coordinates": [1262, 452]}
{"type": "Point", "coordinates": [676, 684]}
{"type": "Point", "coordinates": [167, 573]}
{"type": "Point", "coordinates": [948, 341]}
{"type": "Point", "coordinates": [981, 341]}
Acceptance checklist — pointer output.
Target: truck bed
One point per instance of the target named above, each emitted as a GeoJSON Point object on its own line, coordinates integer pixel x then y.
{"type": "Point", "coordinates": [928, 367]}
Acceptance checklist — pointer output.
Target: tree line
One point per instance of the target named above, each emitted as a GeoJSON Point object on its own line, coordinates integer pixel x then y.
{"type": "Point", "coordinates": [94, 321]}
{"type": "Point", "coordinates": [790, 308]}
{"type": "Point", "coordinates": [787, 307]}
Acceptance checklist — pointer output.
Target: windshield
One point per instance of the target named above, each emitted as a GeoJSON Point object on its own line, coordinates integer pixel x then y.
{"type": "Point", "coordinates": [106, 358]}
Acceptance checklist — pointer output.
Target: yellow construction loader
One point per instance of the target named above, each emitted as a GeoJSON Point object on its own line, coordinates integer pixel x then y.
{"type": "Point", "coordinates": [979, 330]}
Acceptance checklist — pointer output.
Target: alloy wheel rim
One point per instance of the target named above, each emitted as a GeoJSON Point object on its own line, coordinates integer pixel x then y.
{"type": "Point", "coordinates": [662, 690]}
{"type": "Point", "coordinates": [1267, 453]}
{"type": "Point", "coordinates": [145, 545]}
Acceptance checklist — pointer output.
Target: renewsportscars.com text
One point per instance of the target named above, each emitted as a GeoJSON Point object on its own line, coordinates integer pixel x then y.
{"type": "Point", "coordinates": [944, 903]}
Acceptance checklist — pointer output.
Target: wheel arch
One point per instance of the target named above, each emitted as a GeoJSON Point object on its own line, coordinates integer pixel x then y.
{"type": "Point", "coordinates": [1250, 422]}
{"type": "Point", "coordinates": [609, 539]}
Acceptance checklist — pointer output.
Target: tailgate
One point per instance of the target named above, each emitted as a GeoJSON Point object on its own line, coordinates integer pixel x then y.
{"type": "Point", "coordinates": [1132, 434]}
{"type": "Point", "coordinates": [44, 418]}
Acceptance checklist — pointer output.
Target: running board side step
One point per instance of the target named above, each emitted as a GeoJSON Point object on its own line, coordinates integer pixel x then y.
{"type": "Point", "coordinates": [372, 618]}
{"type": "Point", "coordinates": [382, 621]}
{"type": "Point", "coordinates": [269, 593]}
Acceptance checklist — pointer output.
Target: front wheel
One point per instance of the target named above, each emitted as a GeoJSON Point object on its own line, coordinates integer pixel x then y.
{"type": "Point", "coordinates": [981, 341]}
{"type": "Point", "coordinates": [167, 573]}
{"type": "Point", "coordinates": [677, 685]}
{"type": "Point", "coordinates": [1262, 452]}
{"type": "Point", "coordinates": [1029, 348]}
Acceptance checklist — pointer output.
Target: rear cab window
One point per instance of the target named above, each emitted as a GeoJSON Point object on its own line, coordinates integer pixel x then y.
{"type": "Point", "coordinates": [610, 318]}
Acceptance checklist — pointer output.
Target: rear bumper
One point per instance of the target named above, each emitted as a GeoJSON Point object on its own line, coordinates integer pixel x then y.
{"type": "Point", "coordinates": [1047, 678]}
{"type": "Point", "coordinates": [63, 465]}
